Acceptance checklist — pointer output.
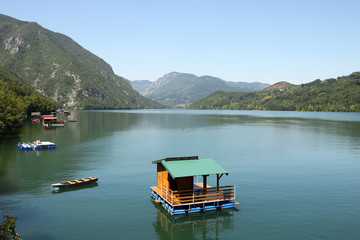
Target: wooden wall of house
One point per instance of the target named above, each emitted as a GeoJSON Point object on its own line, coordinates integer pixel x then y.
{"type": "Point", "coordinates": [162, 176]}
{"type": "Point", "coordinates": [172, 183]}
{"type": "Point", "coordinates": [184, 183]}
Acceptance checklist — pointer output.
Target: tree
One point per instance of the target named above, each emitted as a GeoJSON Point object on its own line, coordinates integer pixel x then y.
{"type": "Point", "coordinates": [7, 229]}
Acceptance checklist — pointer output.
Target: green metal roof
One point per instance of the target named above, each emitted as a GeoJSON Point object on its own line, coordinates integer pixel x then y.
{"type": "Point", "coordinates": [192, 167]}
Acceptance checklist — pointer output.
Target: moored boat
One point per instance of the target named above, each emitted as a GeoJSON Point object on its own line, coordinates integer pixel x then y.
{"type": "Point", "coordinates": [73, 183]}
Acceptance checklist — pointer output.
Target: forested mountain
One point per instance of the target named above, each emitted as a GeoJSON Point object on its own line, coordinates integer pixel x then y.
{"type": "Point", "coordinates": [180, 89]}
{"type": "Point", "coordinates": [58, 67]}
{"type": "Point", "coordinates": [341, 94]}
{"type": "Point", "coordinates": [17, 100]}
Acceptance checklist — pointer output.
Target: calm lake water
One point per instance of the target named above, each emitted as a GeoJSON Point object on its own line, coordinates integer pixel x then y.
{"type": "Point", "coordinates": [297, 175]}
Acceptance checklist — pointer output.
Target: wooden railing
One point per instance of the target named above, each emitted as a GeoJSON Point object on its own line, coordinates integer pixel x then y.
{"type": "Point", "coordinates": [198, 195]}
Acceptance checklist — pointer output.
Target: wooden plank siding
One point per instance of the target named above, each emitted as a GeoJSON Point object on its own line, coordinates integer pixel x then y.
{"type": "Point", "coordinates": [162, 176]}
{"type": "Point", "coordinates": [164, 179]}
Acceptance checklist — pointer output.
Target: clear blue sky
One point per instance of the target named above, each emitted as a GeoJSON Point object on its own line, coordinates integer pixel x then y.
{"type": "Point", "coordinates": [265, 41]}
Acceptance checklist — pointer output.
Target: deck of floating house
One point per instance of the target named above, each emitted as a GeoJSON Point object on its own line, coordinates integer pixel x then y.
{"type": "Point", "coordinates": [179, 194]}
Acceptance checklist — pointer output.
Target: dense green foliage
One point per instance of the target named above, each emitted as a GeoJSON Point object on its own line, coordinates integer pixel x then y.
{"type": "Point", "coordinates": [17, 100]}
{"type": "Point", "coordinates": [341, 95]}
{"type": "Point", "coordinates": [7, 229]}
{"type": "Point", "coordinates": [59, 68]}
{"type": "Point", "coordinates": [180, 89]}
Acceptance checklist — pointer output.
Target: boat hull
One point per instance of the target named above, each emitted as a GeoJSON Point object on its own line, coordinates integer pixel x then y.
{"type": "Point", "coordinates": [74, 183]}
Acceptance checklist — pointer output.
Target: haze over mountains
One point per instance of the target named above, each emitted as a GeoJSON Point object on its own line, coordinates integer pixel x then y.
{"type": "Point", "coordinates": [56, 66]}
{"type": "Point", "coordinates": [181, 89]}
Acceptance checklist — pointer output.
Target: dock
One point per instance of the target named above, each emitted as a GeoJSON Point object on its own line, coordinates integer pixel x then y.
{"type": "Point", "coordinates": [37, 145]}
{"type": "Point", "coordinates": [44, 144]}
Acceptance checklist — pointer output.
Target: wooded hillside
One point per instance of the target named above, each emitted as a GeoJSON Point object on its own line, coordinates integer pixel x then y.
{"type": "Point", "coordinates": [17, 100]}
{"type": "Point", "coordinates": [341, 95]}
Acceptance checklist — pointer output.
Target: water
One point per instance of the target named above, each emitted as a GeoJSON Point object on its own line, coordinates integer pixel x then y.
{"type": "Point", "coordinates": [297, 175]}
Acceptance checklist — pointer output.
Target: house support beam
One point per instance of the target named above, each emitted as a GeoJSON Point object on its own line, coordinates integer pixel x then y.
{"type": "Point", "coordinates": [205, 184]}
{"type": "Point", "coordinates": [218, 176]}
{"type": "Point", "coordinates": [205, 180]}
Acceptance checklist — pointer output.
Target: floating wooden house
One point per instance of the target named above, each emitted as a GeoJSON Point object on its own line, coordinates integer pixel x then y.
{"type": "Point", "coordinates": [51, 121]}
{"type": "Point", "coordinates": [179, 194]}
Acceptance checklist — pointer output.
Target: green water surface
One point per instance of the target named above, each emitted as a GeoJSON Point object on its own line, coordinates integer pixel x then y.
{"type": "Point", "coordinates": [297, 175]}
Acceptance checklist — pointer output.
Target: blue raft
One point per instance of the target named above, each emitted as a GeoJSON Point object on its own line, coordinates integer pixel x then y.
{"type": "Point", "coordinates": [38, 145]}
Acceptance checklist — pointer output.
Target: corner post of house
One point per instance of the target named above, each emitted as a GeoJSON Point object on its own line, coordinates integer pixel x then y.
{"type": "Point", "coordinates": [205, 184]}
{"type": "Point", "coordinates": [234, 191]}
{"type": "Point", "coordinates": [218, 176]}
{"type": "Point", "coordinates": [172, 198]}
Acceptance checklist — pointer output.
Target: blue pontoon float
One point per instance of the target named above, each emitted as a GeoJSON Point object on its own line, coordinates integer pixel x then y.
{"type": "Point", "coordinates": [37, 145]}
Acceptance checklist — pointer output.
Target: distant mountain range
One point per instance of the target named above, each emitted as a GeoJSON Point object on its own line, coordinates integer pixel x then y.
{"type": "Point", "coordinates": [59, 68]}
{"type": "Point", "coordinates": [181, 89]}
{"type": "Point", "coordinates": [341, 95]}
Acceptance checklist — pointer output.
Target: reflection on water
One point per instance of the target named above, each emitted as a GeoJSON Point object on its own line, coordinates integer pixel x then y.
{"type": "Point", "coordinates": [193, 226]}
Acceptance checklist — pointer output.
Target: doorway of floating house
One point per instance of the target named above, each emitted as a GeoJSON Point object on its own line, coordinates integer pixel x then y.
{"type": "Point", "coordinates": [210, 180]}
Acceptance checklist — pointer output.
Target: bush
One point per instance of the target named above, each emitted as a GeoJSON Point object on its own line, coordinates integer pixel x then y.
{"type": "Point", "coordinates": [7, 229]}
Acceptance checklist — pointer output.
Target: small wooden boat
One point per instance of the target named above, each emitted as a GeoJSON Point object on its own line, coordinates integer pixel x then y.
{"type": "Point", "coordinates": [73, 183]}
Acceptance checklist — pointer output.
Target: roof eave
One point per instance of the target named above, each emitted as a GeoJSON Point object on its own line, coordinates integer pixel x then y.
{"type": "Point", "coordinates": [157, 161]}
